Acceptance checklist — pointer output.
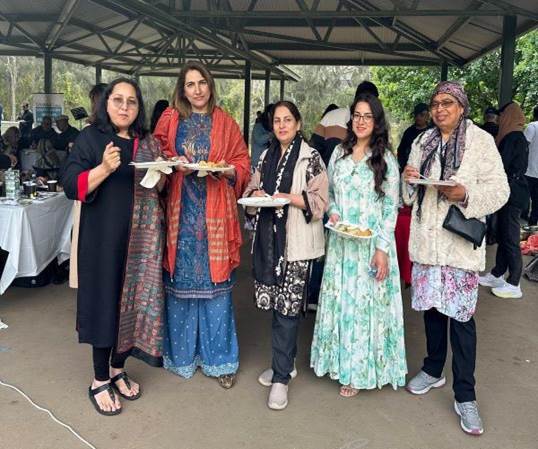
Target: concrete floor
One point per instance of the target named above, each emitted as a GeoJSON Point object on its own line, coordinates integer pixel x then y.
{"type": "Point", "coordinates": [39, 353]}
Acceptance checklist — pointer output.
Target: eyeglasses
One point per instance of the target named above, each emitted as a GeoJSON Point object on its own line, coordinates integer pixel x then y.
{"type": "Point", "coordinates": [129, 103]}
{"type": "Point", "coordinates": [286, 121]}
{"type": "Point", "coordinates": [445, 104]}
{"type": "Point", "coordinates": [367, 118]}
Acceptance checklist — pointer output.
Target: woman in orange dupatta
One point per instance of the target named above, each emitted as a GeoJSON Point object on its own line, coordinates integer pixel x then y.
{"type": "Point", "coordinates": [203, 232]}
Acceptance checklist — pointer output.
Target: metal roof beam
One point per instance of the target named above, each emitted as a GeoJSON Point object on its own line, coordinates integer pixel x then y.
{"type": "Point", "coordinates": [21, 30]}
{"type": "Point", "coordinates": [313, 45]}
{"type": "Point", "coordinates": [510, 9]}
{"type": "Point", "coordinates": [460, 22]}
{"type": "Point", "coordinates": [362, 62]}
{"type": "Point", "coordinates": [63, 20]}
{"type": "Point", "coordinates": [303, 7]}
{"type": "Point", "coordinates": [165, 18]}
{"type": "Point", "coordinates": [309, 14]}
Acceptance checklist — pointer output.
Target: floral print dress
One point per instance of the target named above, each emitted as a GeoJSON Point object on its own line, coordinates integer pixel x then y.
{"type": "Point", "coordinates": [359, 333]}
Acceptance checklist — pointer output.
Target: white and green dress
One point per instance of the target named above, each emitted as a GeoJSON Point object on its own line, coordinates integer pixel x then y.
{"type": "Point", "coordinates": [359, 331]}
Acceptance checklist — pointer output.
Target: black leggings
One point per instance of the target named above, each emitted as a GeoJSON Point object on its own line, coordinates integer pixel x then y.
{"type": "Point", "coordinates": [102, 361]}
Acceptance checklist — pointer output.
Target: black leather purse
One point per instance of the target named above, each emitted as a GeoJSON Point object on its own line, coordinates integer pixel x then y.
{"type": "Point", "coordinates": [471, 229]}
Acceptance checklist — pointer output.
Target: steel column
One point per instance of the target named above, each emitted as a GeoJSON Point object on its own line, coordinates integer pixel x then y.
{"type": "Point", "coordinates": [47, 58]}
{"type": "Point", "coordinates": [444, 71]}
{"type": "Point", "coordinates": [507, 60]}
{"type": "Point", "coordinates": [267, 86]}
{"type": "Point", "coordinates": [246, 101]}
{"type": "Point", "coordinates": [98, 74]}
{"type": "Point", "coordinates": [282, 88]}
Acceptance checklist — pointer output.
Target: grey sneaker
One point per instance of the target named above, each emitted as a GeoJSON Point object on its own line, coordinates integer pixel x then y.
{"type": "Point", "coordinates": [470, 420]}
{"type": "Point", "coordinates": [423, 382]}
{"type": "Point", "coordinates": [278, 397]}
{"type": "Point", "coordinates": [266, 378]}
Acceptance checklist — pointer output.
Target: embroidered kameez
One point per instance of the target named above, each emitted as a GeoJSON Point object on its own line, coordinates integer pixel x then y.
{"type": "Point", "coordinates": [200, 321]}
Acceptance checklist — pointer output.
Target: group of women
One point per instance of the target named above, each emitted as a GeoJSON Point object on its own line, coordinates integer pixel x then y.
{"type": "Point", "coordinates": [182, 317]}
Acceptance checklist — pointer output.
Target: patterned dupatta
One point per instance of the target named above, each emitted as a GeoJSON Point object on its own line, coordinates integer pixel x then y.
{"type": "Point", "coordinates": [142, 299]}
{"type": "Point", "coordinates": [269, 247]}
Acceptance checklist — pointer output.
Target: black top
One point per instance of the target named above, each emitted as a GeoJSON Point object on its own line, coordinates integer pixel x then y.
{"type": "Point", "coordinates": [61, 141]}
{"type": "Point", "coordinates": [404, 149]}
{"type": "Point", "coordinates": [514, 150]}
{"type": "Point", "coordinates": [39, 133]}
{"type": "Point", "coordinates": [491, 128]}
{"type": "Point", "coordinates": [5, 162]}
{"type": "Point", "coordinates": [104, 234]}
{"type": "Point", "coordinates": [26, 125]}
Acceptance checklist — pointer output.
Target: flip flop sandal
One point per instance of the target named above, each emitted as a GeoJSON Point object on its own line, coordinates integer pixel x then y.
{"type": "Point", "coordinates": [226, 381]}
{"type": "Point", "coordinates": [120, 376]}
{"type": "Point", "coordinates": [95, 391]}
{"type": "Point", "coordinates": [348, 392]}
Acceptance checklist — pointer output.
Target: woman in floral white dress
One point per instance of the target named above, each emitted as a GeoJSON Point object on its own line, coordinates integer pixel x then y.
{"type": "Point", "coordinates": [359, 333]}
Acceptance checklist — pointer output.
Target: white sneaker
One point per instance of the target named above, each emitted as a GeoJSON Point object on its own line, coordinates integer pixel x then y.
{"type": "Point", "coordinates": [488, 280]}
{"type": "Point", "coordinates": [278, 397]}
{"type": "Point", "coordinates": [266, 378]}
{"type": "Point", "coordinates": [508, 291]}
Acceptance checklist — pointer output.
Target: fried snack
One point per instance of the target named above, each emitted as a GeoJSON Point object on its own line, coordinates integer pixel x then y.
{"type": "Point", "coordinates": [211, 164]}
{"type": "Point", "coordinates": [361, 232]}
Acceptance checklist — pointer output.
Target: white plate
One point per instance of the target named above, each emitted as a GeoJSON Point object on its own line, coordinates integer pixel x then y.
{"type": "Point", "coordinates": [258, 201]}
{"type": "Point", "coordinates": [198, 167]}
{"type": "Point", "coordinates": [155, 164]}
{"type": "Point", "coordinates": [432, 182]}
{"type": "Point", "coordinates": [345, 234]}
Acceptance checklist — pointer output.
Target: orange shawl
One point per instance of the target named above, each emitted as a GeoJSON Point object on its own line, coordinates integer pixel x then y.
{"type": "Point", "coordinates": [223, 229]}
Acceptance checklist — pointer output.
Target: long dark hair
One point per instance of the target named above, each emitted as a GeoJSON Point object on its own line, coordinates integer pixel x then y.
{"type": "Point", "coordinates": [102, 120]}
{"type": "Point", "coordinates": [379, 140]}
{"type": "Point", "coordinates": [158, 109]}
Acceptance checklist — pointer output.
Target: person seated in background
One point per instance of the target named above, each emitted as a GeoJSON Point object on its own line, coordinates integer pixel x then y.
{"type": "Point", "coordinates": [43, 131]}
{"type": "Point", "coordinates": [49, 161]}
{"type": "Point", "coordinates": [421, 113]}
{"type": "Point", "coordinates": [67, 136]}
{"type": "Point", "coordinates": [10, 141]}
{"type": "Point", "coordinates": [158, 109]}
{"type": "Point", "coordinates": [491, 117]}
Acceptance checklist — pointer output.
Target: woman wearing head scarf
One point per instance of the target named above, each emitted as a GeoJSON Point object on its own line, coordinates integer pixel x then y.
{"type": "Point", "coordinates": [514, 151]}
{"type": "Point", "coordinates": [445, 265]}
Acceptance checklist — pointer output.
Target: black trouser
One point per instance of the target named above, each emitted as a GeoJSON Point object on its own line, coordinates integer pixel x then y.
{"type": "Point", "coordinates": [284, 339]}
{"type": "Point", "coordinates": [533, 190]}
{"type": "Point", "coordinates": [102, 361]}
{"type": "Point", "coordinates": [508, 252]}
{"type": "Point", "coordinates": [463, 343]}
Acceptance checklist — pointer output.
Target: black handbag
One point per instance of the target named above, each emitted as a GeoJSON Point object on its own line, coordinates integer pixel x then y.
{"type": "Point", "coordinates": [471, 229]}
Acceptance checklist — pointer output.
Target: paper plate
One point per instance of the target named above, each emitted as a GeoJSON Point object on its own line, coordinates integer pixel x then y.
{"type": "Point", "coordinates": [198, 167]}
{"type": "Point", "coordinates": [258, 201]}
{"type": "Point", "coordinates": [346, 234]}
{"type": "Point", "coordinates": [432, 182]}
{"type": "Point", "coordinates": [155, 164]}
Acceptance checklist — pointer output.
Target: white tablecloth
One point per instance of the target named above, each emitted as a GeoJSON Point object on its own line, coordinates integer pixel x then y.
{"type": "Point", "coordinates": [34, 235]}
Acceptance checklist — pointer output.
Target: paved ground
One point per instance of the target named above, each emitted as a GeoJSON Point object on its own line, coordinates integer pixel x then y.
{"type": "Point", "coordinates": [39, 353]}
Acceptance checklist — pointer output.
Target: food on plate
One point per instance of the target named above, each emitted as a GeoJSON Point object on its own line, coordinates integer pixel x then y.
{"type": "Point", "coordinates": [211, 164]}
{"type": "Point", "coordinates": [353, 230]}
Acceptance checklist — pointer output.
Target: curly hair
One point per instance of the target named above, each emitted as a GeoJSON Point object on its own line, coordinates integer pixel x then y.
{"type": "Point", "coordinates": [379, 140]}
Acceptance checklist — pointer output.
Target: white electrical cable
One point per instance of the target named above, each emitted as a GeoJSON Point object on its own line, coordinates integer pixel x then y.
{"type": "Point", "coordinates": [50, 414]}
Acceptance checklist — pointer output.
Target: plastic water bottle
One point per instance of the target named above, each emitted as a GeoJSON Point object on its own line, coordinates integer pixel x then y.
{"type": "Point", "coordinates": [13, 189]}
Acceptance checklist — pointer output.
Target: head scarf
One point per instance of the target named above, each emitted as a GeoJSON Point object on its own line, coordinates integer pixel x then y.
{"type": "Point", "coordinates": [511, 119]}
{"type": "Point", "coordinates": [452, 151]}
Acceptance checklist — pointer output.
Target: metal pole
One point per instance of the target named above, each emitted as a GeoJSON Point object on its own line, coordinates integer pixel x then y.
{"type": "Point", "coordinates": [507, 60]}
{"type": "Point", "coordinates": [282, 88]}
{"type": "Point", "coordinates": [267, 87]}
{"type": "Point", "coordinates": [48, 73]}
{"type": "Point", "coordinates": [246, 101]}
{"type": "Point", "coordinates": [98, 74]}
{"type": "Point", "coordinates": [444, 71]}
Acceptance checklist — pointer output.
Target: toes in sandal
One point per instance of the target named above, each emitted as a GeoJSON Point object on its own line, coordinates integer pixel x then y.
{"type": "Point", "coordinates": [226, 381]}
{"type": "Point", "coordinates": [123, 376]}
{"type": "Point", "coordinates": [348, 392]}
{"type": "Point", "coordinates": [92, 392]}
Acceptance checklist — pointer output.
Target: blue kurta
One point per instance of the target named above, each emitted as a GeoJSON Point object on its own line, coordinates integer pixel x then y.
{"type": "Point", "coordinates": [200, 320]}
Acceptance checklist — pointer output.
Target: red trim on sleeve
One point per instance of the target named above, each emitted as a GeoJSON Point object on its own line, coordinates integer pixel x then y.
{"type": "Point", "coordinates": [135, 148]}
{"type": "Point", "coordinates": [82, 185]}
